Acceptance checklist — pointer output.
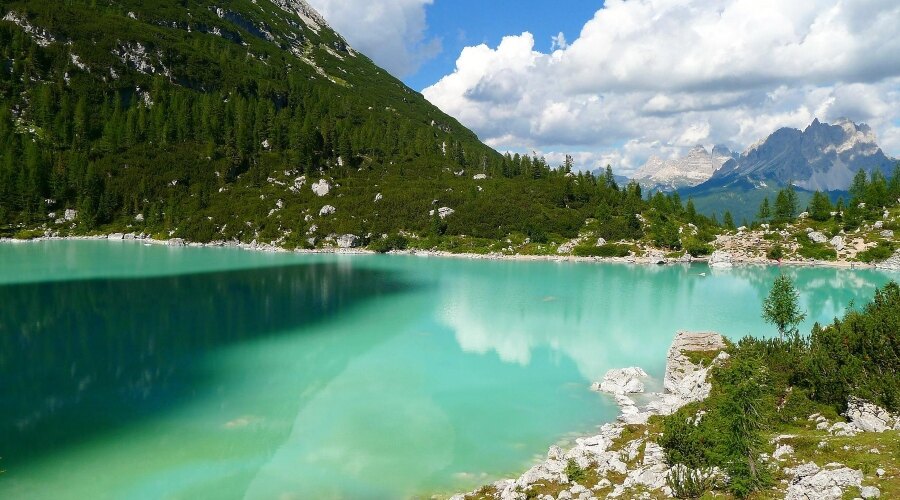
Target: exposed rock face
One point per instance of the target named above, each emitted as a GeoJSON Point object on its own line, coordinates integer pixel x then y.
{"type": "Point", "coordinates": [813, 483]}
{"type": "Point", "coordinates": [720, 259]}
{"type": "Point", "coordinates": [321, 188]}
{"type": "Point", "coordinates": [868, 417]}
{"type": "Point", "coordinates": [695, 168]}
{"type": "Point", "coordinates": [176, 242]}
{"type": "Point", "coordinates": [822, 157]}
{"type": "Point", "coordinates": [70, 214]}
{"type": "Point", "coordinates": [681, 372]}
{"type": "Point", "coordinates": [623, 381]}
{"type": "Point", "coordinates": [348, 241]}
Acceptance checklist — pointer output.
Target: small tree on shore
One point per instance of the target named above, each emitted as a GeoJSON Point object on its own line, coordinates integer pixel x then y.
{"type": "Point", "coordinates": [782, 307]}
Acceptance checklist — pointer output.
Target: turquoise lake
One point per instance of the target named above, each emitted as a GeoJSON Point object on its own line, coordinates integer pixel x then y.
{"type": "Point", "coordinates": [144, 372]}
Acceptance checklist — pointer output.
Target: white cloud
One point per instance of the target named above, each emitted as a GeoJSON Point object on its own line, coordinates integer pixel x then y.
{"type": "Point", "coordinates": [647, 76]}
{"type": "Point", "coordinates": [391, 32]}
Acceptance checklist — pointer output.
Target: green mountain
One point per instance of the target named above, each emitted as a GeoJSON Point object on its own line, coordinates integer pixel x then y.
{"type": "Point", "coordinates": [254, 120]}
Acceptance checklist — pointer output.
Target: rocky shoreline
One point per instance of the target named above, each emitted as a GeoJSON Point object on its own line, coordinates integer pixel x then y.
{"type": "Point", "coordinates": [718, 260]}
{"type": "Point", "coordinates": [624, 460]}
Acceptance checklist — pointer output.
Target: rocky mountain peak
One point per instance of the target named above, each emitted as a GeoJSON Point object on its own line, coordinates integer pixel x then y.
{"type": "Point", "coordinates": [823, 156]}
{"type": "Point", "coordinates": [695, 167]}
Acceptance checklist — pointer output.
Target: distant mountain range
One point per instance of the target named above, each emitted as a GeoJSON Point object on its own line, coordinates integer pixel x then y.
{"type": "Point", "coordinates": [822, 157]}
{"type": "Point", "coordinates": [695, 168]}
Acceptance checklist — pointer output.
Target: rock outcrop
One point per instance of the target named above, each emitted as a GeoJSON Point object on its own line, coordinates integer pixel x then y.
{"type": "Point", "coordinates": [623, 381]}
{"type": "Point", "coordinates": [811, 482]}
{"type": "Point", "coordinates": [891, 264]}
{"type": "Point", "coordinates": [348, 241]}
{"type": "Point", "coordinates": [868, 417]}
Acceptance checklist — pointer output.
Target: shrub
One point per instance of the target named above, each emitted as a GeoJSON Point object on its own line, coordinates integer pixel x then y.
{"type": "Point", "coordinates": [690, 483]}
{"type": "Point", "coordinates": [858, 355]}
{"type": "Point", "coordinates": [817, 251]}
{"type": "Point", "coordinates": [883, 251]}
{"type": "Point", "coordinates": [775, 253]}
{"type": "Point", "coordinates": [697, 248]}
{"type": "Point", "coordinates": [392, 242]}
{"type": "Point", "coordinates": [574, 472]}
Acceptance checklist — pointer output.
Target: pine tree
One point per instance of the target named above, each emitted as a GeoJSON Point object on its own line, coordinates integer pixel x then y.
{"type": "Point", "coordinates": [781, 308]}
{"type": "Point", "coordinates": [765, 212]}
{"type": "Point", "coordinates": [728, 220]}
{"type": "Point", "coordinates": [820, 207]}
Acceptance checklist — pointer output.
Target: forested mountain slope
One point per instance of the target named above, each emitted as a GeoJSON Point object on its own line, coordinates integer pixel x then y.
{"type": "Point", "coordinates": [214, 121]}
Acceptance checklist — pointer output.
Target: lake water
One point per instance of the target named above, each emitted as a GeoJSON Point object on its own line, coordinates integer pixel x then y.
{"type": "Point", "coordinates": [143, 372]}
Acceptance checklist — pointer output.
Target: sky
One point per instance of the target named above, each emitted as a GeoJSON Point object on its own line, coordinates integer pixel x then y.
{"type": "Point", "coordinates": [615, 82]}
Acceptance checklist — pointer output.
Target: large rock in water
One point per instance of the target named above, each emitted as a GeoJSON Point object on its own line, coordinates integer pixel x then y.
{"type": "Point", "coordinates": [623, 381]}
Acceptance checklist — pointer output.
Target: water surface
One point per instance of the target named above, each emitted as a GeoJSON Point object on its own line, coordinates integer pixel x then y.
{"type": "Point", "coordinates": [132, 371]}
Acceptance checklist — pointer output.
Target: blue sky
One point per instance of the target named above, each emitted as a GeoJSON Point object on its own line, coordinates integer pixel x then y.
{"type": "Point", "coordinates": [638, 78]}
{"type": "Point", "coordinates": [461, 23]}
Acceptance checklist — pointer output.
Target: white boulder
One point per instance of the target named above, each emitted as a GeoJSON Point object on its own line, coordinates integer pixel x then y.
{"type": "Point", "coordinates": [70, 214]}
{"type": "Point", "coordinates": [348, 241]}
{"type": "Point", "coordinates": [327, 210]}
{"type": "Point", "coordinates": [868, 417]}
{"type": "Point", "coordinates": [443, 212]}
{"type": "Point", "coordinates": [838, 243]}
{"type": "Point", "coordinates": [479, 177]}
{"type": "Point", "coordinates": [817, 237]}
{"type": "Point", "coordinates": [321, 188]}
{"type": "Point", "coordinates": [601, 242]}
{"type": "Point", "coordinates": [720, 259]}
{"type": "Point", "coordinates": [887, 233]}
